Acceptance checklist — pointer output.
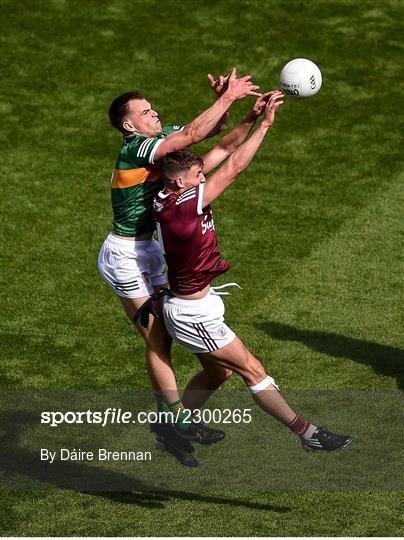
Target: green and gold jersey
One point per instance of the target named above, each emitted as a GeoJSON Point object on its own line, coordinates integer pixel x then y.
{"type": "Point", "coordinates": [134, 183]}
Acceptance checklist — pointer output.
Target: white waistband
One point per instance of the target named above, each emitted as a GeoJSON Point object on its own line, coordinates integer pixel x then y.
{"type": "Point", "coordinates": [120, 241]}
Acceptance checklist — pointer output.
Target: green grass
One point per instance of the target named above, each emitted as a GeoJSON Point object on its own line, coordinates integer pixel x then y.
{"type": "Point", "coordinates": [313, 228]}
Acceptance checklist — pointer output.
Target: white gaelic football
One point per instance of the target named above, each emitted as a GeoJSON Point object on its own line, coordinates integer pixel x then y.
{"type": "Point", "coordinates": [301, 78]}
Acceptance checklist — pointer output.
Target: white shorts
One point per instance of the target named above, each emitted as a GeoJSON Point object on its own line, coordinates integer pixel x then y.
{"type": "Point", "coordinates": [198, 324]}
{"type": "Point", "coordinates": [132, 268]}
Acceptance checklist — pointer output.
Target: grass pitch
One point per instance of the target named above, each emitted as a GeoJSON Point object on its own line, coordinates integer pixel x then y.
{"type": "Point", "coordinates": [313, 229]}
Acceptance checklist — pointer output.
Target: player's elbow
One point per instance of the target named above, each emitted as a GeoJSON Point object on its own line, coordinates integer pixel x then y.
{"type": "Point", "coordinates": [237, 166]}
{"type": "Point", "coordinates": [238, 170]}
{"type": "Point", "coordinates": [191, 135]}
{"type": "Point", "coordinates": [230, 148]}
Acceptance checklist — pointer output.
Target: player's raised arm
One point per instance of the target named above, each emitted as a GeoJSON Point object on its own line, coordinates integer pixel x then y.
{"type": "Point", "coordinates": [203, 124]}
{"type": "Point", "coordinates": [241, 158]}
{"type": "Point", "coordinates": [219, 86]}
{"type": "Point", "coordinates": [230, 142]}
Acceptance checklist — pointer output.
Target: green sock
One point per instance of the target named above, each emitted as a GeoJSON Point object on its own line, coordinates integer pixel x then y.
{"type": "Point", "coordinates": [161, 404]}
{"type": "Point", "coordinates": [182, 418]}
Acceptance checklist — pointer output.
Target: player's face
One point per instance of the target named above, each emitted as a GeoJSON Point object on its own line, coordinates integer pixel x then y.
{"type": "Point", "coordinates": [142, 119]}
{"type": "Point", "coordinates": [192, 177]}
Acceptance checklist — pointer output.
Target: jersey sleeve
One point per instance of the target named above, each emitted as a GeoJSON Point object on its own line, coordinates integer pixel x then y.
{"type": "Point", "coordinates": [189, 203]}
{"type": "Point", "coordinates": [142, 150]}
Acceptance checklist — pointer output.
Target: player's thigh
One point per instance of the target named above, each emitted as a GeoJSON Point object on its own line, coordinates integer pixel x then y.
{"type": "Point", "coordinates": [155, 335]}
{"type": "Point", "coordinates": [131, 305]}
{"type": "Point", "coordinates": [236, 357]}
{"type": "Point", "coordinates": [126, 266]}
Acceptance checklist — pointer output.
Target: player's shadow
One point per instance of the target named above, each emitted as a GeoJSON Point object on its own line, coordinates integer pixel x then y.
{"type": "Point", "coordinates": [383, 359]}
{"type": "Point", "coordinates": [21, 469]}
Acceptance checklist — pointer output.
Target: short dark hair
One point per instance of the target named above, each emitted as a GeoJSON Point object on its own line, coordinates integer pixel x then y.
{"type": "Point", "coordinates": [120, 107]}
{"type": "Point", "coordinates": [175, 162]}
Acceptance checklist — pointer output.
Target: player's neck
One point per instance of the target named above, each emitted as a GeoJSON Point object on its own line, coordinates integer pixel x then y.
{"type": "Point", "coordinates": [177, 191]}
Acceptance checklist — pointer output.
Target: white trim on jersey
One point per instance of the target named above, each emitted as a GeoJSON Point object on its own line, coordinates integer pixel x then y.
{"type": "Point", "coordinates": [143, 148]}
{"type": "Point", "coordinates": [186, 196]}
{"type": "Point", "coordinates": [153, 152]}
{"type": "Point", "coordinates": [160, 237]}
{"type": "Point", "coordinates": [199, 208]}
{"type": "Point", "coordinates": [187, 192]}
{"type": "Point", "coordinates": [185, 200]}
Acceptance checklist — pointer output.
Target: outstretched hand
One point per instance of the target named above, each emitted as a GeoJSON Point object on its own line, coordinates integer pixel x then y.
{"type": "Point", "coordinates": [261, 102]}
{"type": "Point", "coordinates": [240, 88]}
{"type": "Point", "coordinates": [275, 100]}
{"type": "Point", "coordinates": [219, 85]}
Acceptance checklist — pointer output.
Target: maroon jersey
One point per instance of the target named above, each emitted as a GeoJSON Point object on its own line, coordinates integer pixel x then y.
{"type": "Point", "coordinates": [188, 239]}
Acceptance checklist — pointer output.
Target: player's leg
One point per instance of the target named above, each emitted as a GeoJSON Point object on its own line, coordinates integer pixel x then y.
{"type": "Point", "coordinates": [158, 280]}
{"type": "Point", "coordinates": [236, 357]}
{"type": "Point", "coordinates": [199, 326]}
{"type": "Point", "coordinates": [158, 361]}
{"type": "Point", "coordinates": [264, 390]}
{"type": "Point", "coordinates": [158, 351]}
{"type": "Point", "coordinates": [198, 391]}
{"type": "Point", "coordinates": [126, 266]}
{"type": "Point", "coordinates": [203, 384]}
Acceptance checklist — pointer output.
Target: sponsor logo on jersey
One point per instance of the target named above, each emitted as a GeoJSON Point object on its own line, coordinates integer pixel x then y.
{"type": "Point", "coordinates": [207, 224]}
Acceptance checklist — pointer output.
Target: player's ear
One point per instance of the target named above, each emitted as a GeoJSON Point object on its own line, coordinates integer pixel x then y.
{"type": "Point", "coordinates": [179, 182]}
{"type": "Point", "coordinates": [128, 126]}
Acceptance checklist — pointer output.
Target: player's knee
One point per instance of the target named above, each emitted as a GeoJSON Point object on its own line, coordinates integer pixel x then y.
{"type": "Point", "coordinates": [158, 342]}
{"type": "Point", "coordinates": [253, 369]}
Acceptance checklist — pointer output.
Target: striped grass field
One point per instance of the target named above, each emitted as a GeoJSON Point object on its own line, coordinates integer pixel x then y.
{"type": "Point", "coordinates": [313, 230]}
